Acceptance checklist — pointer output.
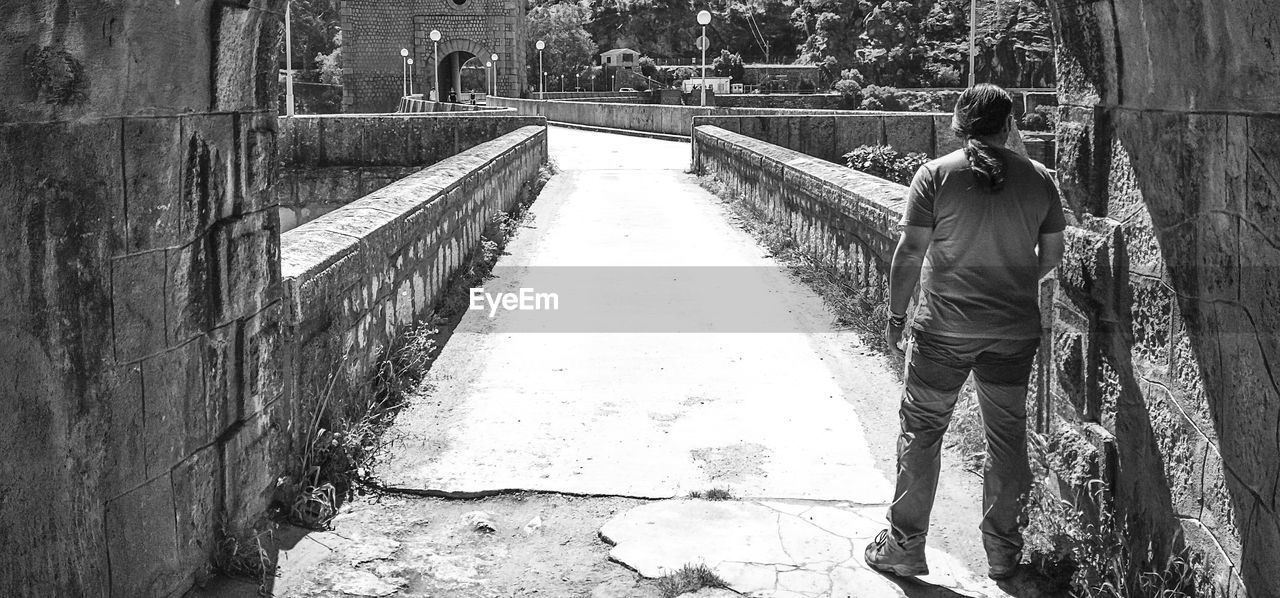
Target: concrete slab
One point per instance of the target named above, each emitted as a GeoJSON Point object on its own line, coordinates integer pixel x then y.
{"type": "Point", "coordinates": [761, 551]}
{"type": "Point", "coordinates": [703, 402]}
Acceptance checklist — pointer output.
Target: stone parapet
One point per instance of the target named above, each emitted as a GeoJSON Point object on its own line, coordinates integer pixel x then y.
{"type": "Point", "coordinates": [356, 277]}
{"type": "Point", "coordinates": [329, 161]}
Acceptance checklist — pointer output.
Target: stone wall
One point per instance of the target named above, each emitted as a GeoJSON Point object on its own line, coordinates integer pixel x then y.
{"type": "Point", "coordinates": [374, 32]}
{"type": "Point", "coordinates": [140, 282]}
{"type": "Point", "coordinates": [831, 136]}
{"type": "Point", "coordinates": [652, 118]}
{"type": "Point", "coordinates": [843, 218]}
{"type": "Point", "coordinates": [356, 277]}
{"type": "Point", "coordinates": [801, 101]}
{"type": "Point", "coordinates": [1166, 328]}
{"type": "Point", "coordinates": [330, 161]}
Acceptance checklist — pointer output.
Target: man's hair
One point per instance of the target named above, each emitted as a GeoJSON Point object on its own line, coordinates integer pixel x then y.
{"type": "Point", "coordinates": [981, 111]}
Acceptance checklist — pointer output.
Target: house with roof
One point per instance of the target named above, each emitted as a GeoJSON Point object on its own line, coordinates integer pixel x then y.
{"type": "Point", "coordinates": [622, 58]}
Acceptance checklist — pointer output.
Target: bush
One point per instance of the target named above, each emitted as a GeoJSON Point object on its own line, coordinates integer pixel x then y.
{"type": "Point", "coordinates": [876, 97]}
{"type": "Point", "coordinates": [850, 93]}
{"type": "Point", "coordinates": [885, 162]}
{"type": "Point", "coordinates": [1044, 118]}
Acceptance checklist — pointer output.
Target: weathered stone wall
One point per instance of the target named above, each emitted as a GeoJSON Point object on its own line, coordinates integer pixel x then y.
{"type": "Point", "coordinates": [374, 31]}
{"type": "Point", "coordinates": [652, 118]}
{"type": "Point", "coordinates": [1165, 335]}
{"type": "Point", "coordinates": [356, 277]}
{"type": "Point", "coordinates": [330, 161]}
{"type": "Point", "coordinates": [831, 136]}
{"type": "Point", "coordinates": [843, 218]}
{"type": "Point", "coordinates": [416, 105]}
{"type": "Point", "coordinates": [139, 383]}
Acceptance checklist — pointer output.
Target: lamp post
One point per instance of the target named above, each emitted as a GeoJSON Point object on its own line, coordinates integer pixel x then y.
{"type": "Point", "coordinates": [542, 81]}
{"type": "Point", "coordinates": [411, 76]}
{"type": "Point", "coordinates": [704, 19]}
{"type": "Point", "coordinates": [435, 53]}
{"type": "Point", "coordinates": [404, 72]}
{"type": "Point", "coordinates": [288, 59]}
{"type": "Point", "coordinates": [494, 58]}
{"type": "Point", "coordinates": [488, 77]}
{"type": "Point", "coordinates": [973, 41]}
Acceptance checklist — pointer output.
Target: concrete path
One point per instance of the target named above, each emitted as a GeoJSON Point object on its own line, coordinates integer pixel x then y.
{"type": "Point", "coordinates": [744, 385]}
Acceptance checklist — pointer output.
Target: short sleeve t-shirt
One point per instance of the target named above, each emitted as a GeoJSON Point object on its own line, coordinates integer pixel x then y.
{"type": "Point", "coordinates": [980, 276]}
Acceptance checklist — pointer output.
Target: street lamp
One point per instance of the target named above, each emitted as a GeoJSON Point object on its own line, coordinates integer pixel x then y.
{"type": "Point", "coordinates": [404, 72]}
{"type": "Point", "coordinates": [489, 76]}
{"type": "Point", "coordinates": [411, 76]}
{"type": "Point", "coordinates": [704, 19]}
{"type": "Point", "coordinates": [542, 82]}
{"type": "Point", "coordinates": [494, 58]}
{"type": "Point", "coordinates": [435, 53]}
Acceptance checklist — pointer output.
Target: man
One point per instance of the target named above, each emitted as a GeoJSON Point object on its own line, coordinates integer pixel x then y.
{"type": "Point", "coordinates": [982, 226]}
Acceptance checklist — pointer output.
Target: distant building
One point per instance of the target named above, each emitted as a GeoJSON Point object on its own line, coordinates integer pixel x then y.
{"type": "Point", "coordinates": [719, 85]}
{"type": "Point", "coordinates": [623, 58]}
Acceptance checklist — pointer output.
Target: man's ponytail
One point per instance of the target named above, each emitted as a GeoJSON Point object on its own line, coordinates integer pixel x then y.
{"type": "Point", "coordinates": [982, 111]}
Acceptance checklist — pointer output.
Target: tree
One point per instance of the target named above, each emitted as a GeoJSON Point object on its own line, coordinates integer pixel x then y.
{"type": "Point", "coordinates": [648, 67]}
{"type": "Point", "coordinates": [729, 65]}
{"type": "Point", "coordinates": [569, 45]}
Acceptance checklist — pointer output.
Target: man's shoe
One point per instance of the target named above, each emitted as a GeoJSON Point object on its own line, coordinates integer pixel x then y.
{"type": "Point", "coordinates": [1003, 571]}
{"type": "Point", "coordinates": [886, 555]}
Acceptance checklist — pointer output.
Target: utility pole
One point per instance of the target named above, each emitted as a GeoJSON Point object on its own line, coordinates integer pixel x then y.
{"type": "Point", "coordinates": [704, 18]}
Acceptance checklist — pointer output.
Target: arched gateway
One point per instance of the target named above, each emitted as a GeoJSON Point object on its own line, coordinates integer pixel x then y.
{"type": "Point", "coordinates": [374, 31]}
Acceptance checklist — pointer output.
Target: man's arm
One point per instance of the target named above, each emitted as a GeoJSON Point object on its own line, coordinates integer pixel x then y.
{"type": "Point", "coordinates": [904, 273]}
{"type": "Point", "coordinates": [1050, 250]}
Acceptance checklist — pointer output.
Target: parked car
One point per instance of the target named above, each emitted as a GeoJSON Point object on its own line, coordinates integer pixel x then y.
{"type": "Point", "coordinates": [627, 89]}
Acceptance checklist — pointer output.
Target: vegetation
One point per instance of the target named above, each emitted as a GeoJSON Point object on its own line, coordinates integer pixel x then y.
{"type": "Point", "coordinates": [888, 42]}
{"type": "Point", "coordinates": [728, 65]}
{"type": "Point", "coordinates": [712, 494]}
{"type": "Point", "coordinates": [689, 578]}
{"type": "Point", "coordinates": [885, 162]}
{"type": "Point", "coordinates": [562, 27]}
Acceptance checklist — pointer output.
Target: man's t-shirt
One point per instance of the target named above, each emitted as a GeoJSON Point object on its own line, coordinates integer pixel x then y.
{"type": "Point", "coordinates": [980, 274]}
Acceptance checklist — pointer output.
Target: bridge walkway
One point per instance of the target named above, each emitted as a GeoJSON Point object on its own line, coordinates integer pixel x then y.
{"type": "Point", "coordinates": [681, 357]}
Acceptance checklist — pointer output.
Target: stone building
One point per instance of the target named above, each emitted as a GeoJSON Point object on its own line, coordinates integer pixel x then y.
{"type": "Point", "coordinates": [374, 32]}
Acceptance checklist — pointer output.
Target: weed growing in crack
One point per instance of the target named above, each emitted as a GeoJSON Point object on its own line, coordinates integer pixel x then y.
{"type": "Point", "coordinates": [689, 578]}
{"type": "Point", "coordinates": [248, 556]}
{"type": "Point", "coordinates": [712, 494]}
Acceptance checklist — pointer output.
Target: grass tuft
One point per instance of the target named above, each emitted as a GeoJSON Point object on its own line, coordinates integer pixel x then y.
{"type": "Point", "coordinates": [712, 494]}
{"type": "Point", "coordinates": [689, 578]}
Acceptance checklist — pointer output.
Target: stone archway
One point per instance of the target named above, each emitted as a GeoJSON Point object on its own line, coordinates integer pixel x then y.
{"type": "Point", "coordinates": [374, 32]}
{"type": "Point", "coordinates": [453, 55]}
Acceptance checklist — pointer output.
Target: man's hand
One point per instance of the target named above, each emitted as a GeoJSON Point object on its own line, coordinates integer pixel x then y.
{"type": "Point", "coordinates": [893, 337]}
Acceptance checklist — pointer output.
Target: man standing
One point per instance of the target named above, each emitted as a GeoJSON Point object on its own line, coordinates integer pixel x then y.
{"type": "Point", "coordinates": [983, 225]}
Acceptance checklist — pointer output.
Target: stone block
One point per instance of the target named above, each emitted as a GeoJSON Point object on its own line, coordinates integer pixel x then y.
{"type": "Point", "coordinates": [1083, 165]}
{"type": "Point", "coordinates": [1152, 321]}
{"type": "Point", "coordinates": [211, 182]}
{"type": "Point", "coordinates": [223, 358]}
{"type": "Point", "coordinates": [1085, 53]}
{"type": "Point", "coordinates": [153, 174]}
{"type": "Point", "coordinates": [246, 263]}
{"type": "Point", "coordinates": [142, 540]}
{"type": "Point", "coordinates": [854, 131]}
{"type": "Point", "coordinates": [179, 415]}
{"type": "Point", "coordinates": [125, 450]}
{"type": "Point", "coordinates": [137, 299]}
{"type": "Point", "coordinates": [196, 486]}
{"type": "Point", "coordinates": [909, 133]}
{"type": "Point", "coordinates": [263, 366]}
{"type": "Point", "coordinates": [186, 296]}
{"type": "Point", "coordinates": [258, 164]}
{"type": "Point", "coordinates": [1090, 268]}
{"type": "Point", "coordinates": [252, 460]}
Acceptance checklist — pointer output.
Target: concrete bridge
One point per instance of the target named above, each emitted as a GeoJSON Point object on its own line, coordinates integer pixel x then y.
{"type": "Point", "coordinates": [169, 344]}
